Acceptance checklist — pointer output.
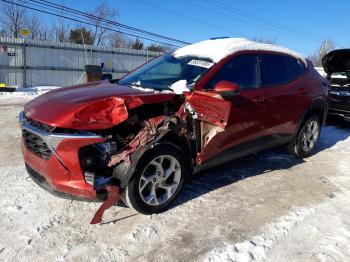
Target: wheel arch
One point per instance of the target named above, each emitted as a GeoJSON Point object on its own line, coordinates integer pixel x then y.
{"type": "Point", "coordinates": [318, 107]}
{"type": "Point", "coordinates": [125, 170]}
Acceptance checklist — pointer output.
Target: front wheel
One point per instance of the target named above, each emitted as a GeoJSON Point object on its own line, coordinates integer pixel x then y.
{"type": "Point", "coordinates": [304, 144]}
{"type": "Point", "coordinates": [157, 181]}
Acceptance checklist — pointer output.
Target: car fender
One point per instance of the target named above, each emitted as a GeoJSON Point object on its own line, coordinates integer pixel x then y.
{"type": "Point", "coordinates": [316, 106]}
{"type": "Point", "coordinates": [125, 170]}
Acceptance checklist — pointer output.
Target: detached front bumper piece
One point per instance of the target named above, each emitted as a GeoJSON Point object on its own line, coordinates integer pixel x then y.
{"type": "Point", "coordinates": [52, 160]}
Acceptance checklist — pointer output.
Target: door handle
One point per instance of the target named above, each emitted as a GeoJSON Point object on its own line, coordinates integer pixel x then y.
{"type": "Point", "coordinates": [259, 99]}
{"type": "Point", "coordinates": [303, 91]}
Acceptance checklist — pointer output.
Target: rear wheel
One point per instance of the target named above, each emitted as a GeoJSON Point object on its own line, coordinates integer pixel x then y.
{"type": "Point", "coordinates": [157, 181]}
{"type": "Point", "coordinates": [304, 144]}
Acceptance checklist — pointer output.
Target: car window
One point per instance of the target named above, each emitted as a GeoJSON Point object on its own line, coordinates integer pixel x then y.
{"type": "Point", "coordinates": [242, 70]}
{"type": "Point", "coordinates": [296, 68]}
{"type": "Point", "coordinates": [274, 70]}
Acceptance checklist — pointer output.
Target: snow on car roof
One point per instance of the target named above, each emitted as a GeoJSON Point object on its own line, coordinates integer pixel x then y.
{"type": "Point", "coordinates": [218, 49]}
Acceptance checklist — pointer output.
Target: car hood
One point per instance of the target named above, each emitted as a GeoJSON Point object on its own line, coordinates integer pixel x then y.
{"type": "Point", "coordinates": [337, 61]}
{"type": "Point", "coordinates": [91, 106]}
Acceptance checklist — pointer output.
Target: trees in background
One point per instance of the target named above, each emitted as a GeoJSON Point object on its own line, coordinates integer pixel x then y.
{"type": "Point", "coordinates": [325, 46]}
{"type": "Point", "coordinates": [160, 48]}
{"type": "Point", "coordinates": [100, 28]}
{"type": "Point", "coordinates": [119, 40]}
{"type": "Point", "coordinates": [13, 18]}
{"type": "Point", "coordinates": [137, 45]}
{"type": "Point", "coordinates": [81, 36]}
{"type": "Point", "coordinates": [266, 40]}
{"type": "Point", "coordinates": [37, 28]}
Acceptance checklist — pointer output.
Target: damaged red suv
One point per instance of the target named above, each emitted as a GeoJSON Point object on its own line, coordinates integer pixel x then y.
{"type": "Point", "coordinates": [203, 105]}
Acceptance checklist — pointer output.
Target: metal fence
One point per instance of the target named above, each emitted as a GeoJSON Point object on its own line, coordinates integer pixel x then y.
{"type": "Point", "coordinates": [25, 63]}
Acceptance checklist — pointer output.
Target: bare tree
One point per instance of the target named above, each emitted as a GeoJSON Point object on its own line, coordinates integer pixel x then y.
{"type": "Point", "coordinates": [61, 28]}
{"type": "Point", "coordinates": [119, 40]}
{"type": "Point", "coordinates": [13, 18]}
{"type": "Point", "coordinates": [38, 31]}
{"type": "Point", "coordinates": [160, 48]}
{"type": "Point", "coordinates": [266, 40]}
{"type": "Point", "coordinates": [102, 11]}
{"type": "Point", "coordinates": [325, 46]}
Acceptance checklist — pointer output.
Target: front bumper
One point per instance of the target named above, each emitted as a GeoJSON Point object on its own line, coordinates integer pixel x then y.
{"type": "Point", "coordinates": [60, 172]}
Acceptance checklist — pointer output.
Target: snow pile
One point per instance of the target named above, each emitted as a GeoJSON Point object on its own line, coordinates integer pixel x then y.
{"type": "Point", "coordinates": [37, 88]}
{"type": "Point", "coordinates": [218, 49]}
{"type": "Point", "coordinates": [26, 93]}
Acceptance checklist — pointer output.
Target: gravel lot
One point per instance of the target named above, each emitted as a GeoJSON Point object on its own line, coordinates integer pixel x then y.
{"type": "Point", "coordinates": [270, 206]}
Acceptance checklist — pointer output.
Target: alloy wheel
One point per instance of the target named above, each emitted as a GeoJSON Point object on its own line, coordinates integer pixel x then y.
{"type": "Point", "coordinates": [160, 180]}
{"type": "Point", "coordinates": [310, 136]}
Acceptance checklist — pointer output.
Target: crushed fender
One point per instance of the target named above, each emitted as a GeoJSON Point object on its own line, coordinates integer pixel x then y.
{"type": "Point", "coordinates": [143, 137]}
{"type": "Point", "coordinates": [112, 199]}
{"type": "Point", "coordinates": [101, 114]}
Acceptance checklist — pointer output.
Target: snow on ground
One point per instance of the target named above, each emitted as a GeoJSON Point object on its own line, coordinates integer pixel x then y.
{"type": "Point", "coordinates": [25, 94]}
{"type": "Point", "coordinates": [271, 207]}
{"type": "Point", "coordinates": [313, 233]}
{"type": "Point", "coordinates": [318, 232]}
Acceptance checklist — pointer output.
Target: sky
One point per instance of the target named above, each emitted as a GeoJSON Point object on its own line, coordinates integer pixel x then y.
{"type": "Point", "coordinates": [300, 25]}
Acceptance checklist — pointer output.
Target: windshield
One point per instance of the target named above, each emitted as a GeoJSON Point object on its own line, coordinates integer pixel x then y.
{"type": "Point", "coordinates": [165, 71]}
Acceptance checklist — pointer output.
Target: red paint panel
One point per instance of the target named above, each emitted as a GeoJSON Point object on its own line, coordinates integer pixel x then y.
{"type": "Point", "coordinates": [100, 105]}
{"type": "Point", "coordinates": [211, 108]}
{"type": "Point", "coordinates": [69, 178]}
{"type": "Point", "coordinates": [101, 115]}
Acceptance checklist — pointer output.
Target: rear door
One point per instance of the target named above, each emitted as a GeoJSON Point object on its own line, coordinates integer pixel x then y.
{"type": "Point", "coordinates": [282, 78]}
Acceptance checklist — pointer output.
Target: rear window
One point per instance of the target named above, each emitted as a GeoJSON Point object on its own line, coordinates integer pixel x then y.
{"type": "Point", "coordinates": [296, 68]}
{"type": "Point", "coordinates": [273, 70]}
{"type": "Point", "coordinates": [279, 69]}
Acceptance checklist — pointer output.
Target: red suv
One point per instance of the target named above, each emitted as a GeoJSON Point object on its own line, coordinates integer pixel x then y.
{"type": "Point", "coordinates": [203, 105]}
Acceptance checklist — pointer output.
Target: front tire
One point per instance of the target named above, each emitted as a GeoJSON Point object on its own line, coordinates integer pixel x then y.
{"type": "Point", "coordinates": [304, 144]}
{"type": "Point", "coordinates": [157, 181]}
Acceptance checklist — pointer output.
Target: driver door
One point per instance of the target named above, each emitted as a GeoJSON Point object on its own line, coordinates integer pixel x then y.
{"type": "Point", "coordinates": [229, 121]}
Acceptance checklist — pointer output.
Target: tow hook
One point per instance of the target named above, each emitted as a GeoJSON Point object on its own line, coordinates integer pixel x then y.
{"type": "Point", "coordinates": [113, 196]}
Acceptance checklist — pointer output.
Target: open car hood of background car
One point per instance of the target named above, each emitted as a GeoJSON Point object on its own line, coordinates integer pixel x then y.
{"type": "Point", "coordinates": [91, 106]}
{"type": "Point", "coordinates": [337, 61]}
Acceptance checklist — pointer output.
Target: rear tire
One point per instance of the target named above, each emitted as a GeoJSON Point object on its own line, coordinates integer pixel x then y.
{"type": "Point", "coordinates": [157, 181]}
{"type": "Point", "coordinates": [304, 144]}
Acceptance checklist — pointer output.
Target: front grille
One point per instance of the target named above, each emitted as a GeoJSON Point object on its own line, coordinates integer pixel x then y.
{"type": "Point", "coordinates": [36, 144]}
{"type": "Point", "coordinates": [39, 125]}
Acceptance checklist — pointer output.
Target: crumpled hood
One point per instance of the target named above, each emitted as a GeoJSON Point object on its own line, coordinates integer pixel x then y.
{"type": "Point", "coordinates": [337, 61]}
{"type": "Point", "coordinates": [91, 106]}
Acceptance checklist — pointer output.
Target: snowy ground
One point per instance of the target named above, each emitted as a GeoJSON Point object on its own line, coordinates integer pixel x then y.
{"type": "Point", "coordinates": [269, 207]}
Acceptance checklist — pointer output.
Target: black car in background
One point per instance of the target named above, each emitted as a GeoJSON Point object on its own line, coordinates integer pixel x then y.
{"type": "Point", "coordinates": [337, 66]}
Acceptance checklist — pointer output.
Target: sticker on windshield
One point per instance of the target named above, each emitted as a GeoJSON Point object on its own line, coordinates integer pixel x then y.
{"type": "Point", "coordinates": [200, 63]}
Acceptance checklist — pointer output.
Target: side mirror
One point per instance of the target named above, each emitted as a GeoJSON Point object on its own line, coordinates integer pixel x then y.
{"type": "Point", "coordinates": [227, 88]}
